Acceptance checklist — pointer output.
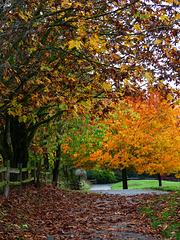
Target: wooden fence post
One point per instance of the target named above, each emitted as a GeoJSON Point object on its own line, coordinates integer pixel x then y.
{"type": "Point", "coordinates": [7, 178]}
{"type": "Point", "coordinates": [20, 177]}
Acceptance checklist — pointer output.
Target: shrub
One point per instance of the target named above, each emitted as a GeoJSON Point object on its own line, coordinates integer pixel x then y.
{"type": "Point", "coordinates": [101, 175]}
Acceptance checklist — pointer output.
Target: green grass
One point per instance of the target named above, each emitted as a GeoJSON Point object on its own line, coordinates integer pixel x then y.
{"type": "Point", "coordinates": [148, 184]}
{"type": "Point", "coordinates": [86, 186]}
{"type": "Point", "coordinates": [164, 214]}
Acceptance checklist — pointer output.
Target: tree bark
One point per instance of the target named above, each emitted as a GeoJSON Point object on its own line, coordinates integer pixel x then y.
{"type": "Point", "coordinates": [124, 178]}
{"type": "Point", "coordinates": [56, 166]}
{"type": "Point", "coordinates": [5, 141]}
{"type": "Point", "coordinates": [19, 141]}
{"type": "Point", "coordinates": [159, 179]}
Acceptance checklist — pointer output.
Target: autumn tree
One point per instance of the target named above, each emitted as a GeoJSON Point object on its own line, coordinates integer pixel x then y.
{"type": "Point", "coordinates": [143, 135]}
{"type": "Point", "coordinates": [55, 54]}
{"type": "Point", "coordinates": [83, 137]}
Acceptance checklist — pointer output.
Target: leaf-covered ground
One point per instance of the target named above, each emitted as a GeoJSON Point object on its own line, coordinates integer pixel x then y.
{"type": "Point", "coordinates": [51, 213]}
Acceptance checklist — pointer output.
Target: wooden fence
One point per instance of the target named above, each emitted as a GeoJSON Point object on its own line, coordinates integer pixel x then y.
{"type": "Point", "coordinates": [6, 172]}
{"type": "Point", "coordinates": [32, 174]}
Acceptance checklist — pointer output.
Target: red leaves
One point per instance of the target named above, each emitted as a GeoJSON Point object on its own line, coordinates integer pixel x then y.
{"type": "Point", "coordinates": [71, 215]}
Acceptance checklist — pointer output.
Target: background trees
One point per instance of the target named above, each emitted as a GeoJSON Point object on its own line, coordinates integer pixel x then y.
{"type": "Point", "coordinates": [55, 55]}
{"type": "Point", "coordinates": [143, 135]}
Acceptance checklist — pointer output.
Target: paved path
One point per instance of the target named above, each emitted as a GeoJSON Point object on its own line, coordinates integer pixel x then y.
{"type": "Point", "coordinates": [126, 234]}
{"type": "Point", "coordinates": [105, 188]}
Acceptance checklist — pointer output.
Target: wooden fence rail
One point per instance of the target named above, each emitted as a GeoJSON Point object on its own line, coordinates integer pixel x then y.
{"type": "Point", "coordinates": [42, 176]}
{"type": "Point", "coordinates": [7, 171]}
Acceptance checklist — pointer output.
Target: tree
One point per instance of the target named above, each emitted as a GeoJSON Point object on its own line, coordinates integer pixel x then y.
{"type": "Point", "coordinates": [143, 135]}
{"type": "Point", "coordinates": [163, 137]}
{"type": "Point", "coordinates": [82, 136]}
{"type": "Point", "coordinates": [57, 54]}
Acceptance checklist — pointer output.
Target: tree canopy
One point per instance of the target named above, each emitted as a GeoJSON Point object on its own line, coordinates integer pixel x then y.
{"type": "Point", "coordinates": [57, 54]}
{"type": "Point", "coordinates": [143, 135]}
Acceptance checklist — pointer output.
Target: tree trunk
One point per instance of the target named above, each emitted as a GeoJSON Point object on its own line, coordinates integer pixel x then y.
{"type": "Point", "coordinates": [124, 178]}
{"type": "Point", "coordinates": [19, 141]}
{"type": "Point", "coordinates": [5, 141]}
{"type": "Point", "coordinates": [46, 161]}
{"type": "Point", "coordinates": [56, 166]}
{"type": "Point", "coordinates": [159, 179]}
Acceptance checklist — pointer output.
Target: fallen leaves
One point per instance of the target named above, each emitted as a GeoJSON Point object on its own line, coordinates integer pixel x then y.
{"type": "Point", "coordinates": [164, 213]}
{"type": "Point", "coordinates": [49, 211]}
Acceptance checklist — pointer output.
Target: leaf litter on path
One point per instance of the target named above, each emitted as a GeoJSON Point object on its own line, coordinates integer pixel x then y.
{"type": "Point", "coordinates": [52, 213]}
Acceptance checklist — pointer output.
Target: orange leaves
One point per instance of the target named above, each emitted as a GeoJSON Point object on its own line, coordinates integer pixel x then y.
{"type": "Point", "coordinates": [143, 135]}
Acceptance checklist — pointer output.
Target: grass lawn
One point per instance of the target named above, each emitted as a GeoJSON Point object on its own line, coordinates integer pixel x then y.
{"type": "Point", "coordinates": [148, 184]}
{"type": "Point", "coordinates": [164, 213]}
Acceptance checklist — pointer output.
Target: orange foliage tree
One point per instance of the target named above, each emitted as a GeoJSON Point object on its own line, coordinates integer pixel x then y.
{"type": "Point", "coordinates": [143, 135]}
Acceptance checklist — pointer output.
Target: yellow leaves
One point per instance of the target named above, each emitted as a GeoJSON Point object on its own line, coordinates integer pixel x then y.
{"type": "Point", "coordinates": [46, 68]}
{"type": "Point", "coordinates": [75, 155]}
{"type": "Point", "coordinates": [136, 72]}
{"type": "Point", "coordinates": [25, 15]}
{"type": "Point", "coordinates": [81, 31]}
{"type": "Point", "coordinates": [137, 27]}
{"type": "Point", "coordinates": [15, 109]}
{"type": "Point", "coordinates": [177, 102]}
{"type": "Point", "coordinates": [158, 41]}
{"type": "Point", "coordinates": [169, 97]}
{"type": "Point", "coordinates": [171, 1]}
{"type": "Point", "coordinates": [33, 49]}
{"type": "Point", "coordinates": [11, 112]}
{"type": "Point", "coordinates": [107, 86]}
{"type": "Point", "coordinates": [39, 81]}
{"type": "Point", "coordinates": [48, 81]}
{"type": "Point", "coordinates": [53, 9]}
{"type": "Point", "coordinates": [17, 79]}
{"type": "Point", "coordinates": [148, 77]}
{"type": "Point", "coordinates": [94, 41]}
{"type": "Point", "coordinates": [65, 3]}
{"type": "Point", "coordinates": [177, 17]}
{"type": "Point", "coordinates": [22, 118]}
{"type": "Point", "coordinates": [123, 68]}
{"type": "Point", "coordinates": [164, 18]}
{"type": "Point", "coordinates": [77, 4]}
{"type": "Point", "coordinates": [126, 82]}
{"type": "Point", "coordinates": [168, 54]}
{"type": "Point", "coordinates": [75, 44]}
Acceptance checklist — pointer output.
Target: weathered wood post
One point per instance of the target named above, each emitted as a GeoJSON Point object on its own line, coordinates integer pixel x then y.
{"type": "Point", "coordinates": [29, 174]}
{"type": "Point", "coordinates": [20, 177]}
{"type": "Point", "coordinates": [7, 178]}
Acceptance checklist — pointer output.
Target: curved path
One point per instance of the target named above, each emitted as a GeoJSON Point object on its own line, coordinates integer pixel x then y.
{"type": "Point", "coordinates": [105, 188]}
{"type": "Point", "coordinates": [118, 229]}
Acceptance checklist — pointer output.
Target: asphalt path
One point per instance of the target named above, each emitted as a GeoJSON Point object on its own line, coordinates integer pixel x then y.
{"type": "Point", "coordinates": [106, 189]}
